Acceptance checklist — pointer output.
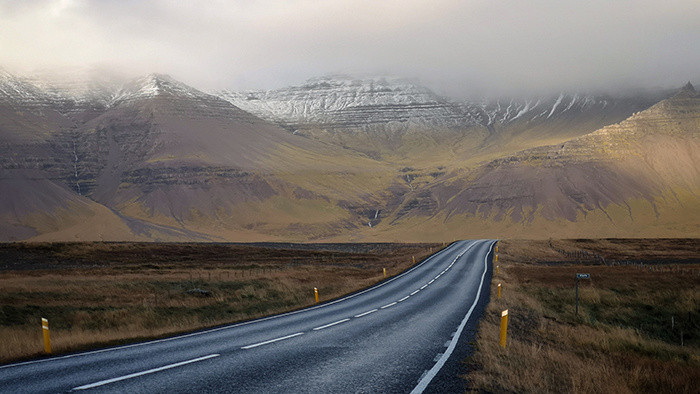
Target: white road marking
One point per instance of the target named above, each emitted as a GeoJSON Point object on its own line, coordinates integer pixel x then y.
{"type": "Point", "coordinates": [272, 340]}
{"type": "Point", "coordinates": [133, 375]}
{"type": "Point", "coordinates": [386, 306]}
{"type": "Point", "coordinates": [414, 293]}
{"type": "Point", "coordinates": [424, 286]}
{"type": "Point", "coordinates": [331, 324]}
{"type": "Point", "coordinates": [405, 298]}
{"type": "Point", "coordinates": [451, 246]}
{"type": "Point", "coordinates": [431, 281]}
{"type": "Point", "coordinates": [425, 380]}
{"type": "Point", "coordinates": [366, 313]}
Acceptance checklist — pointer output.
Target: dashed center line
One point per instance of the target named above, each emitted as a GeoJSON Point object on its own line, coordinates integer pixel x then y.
{"type": "Point", "coordinates": [424, 286]}
{"type": "Point", "coordinates": [272, 340]}
{"type": "Point", "coordinates": [404, 299]}
{"type": "Point", "coordinates": [331, 324]}
{"type": "Point", "coordinates": [388, 305]}
{"type": "Point", "coordinates": [366, 313]}
{"type": "Point", "coordinates": [137, 374]}
{"type": "Point", "coordinates": [415, 292]}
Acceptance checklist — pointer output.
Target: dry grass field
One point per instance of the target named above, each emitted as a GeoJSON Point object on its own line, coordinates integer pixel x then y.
{"type": "Point", "coordinates": [637, 330]}
{"type": "Point", "coordinates": [97, 294]}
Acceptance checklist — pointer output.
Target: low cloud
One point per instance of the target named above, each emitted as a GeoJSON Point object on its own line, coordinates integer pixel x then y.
{"type": "Point", "coordinates": [460, 48]}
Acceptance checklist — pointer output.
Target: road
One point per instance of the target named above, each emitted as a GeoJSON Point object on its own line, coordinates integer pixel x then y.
{"type": "Point", "coordinates": [408, 333]}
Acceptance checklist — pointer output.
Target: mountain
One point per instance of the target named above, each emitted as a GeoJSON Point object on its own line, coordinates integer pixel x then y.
{"type": "Point", "coordinates": [397, 119]}
{"type": "Point", "coordinates": [91, 157]}
{"type": "Point", "coordinates": [638, 177]}
{"type": "Point", "coordinates": [173, 163]}
{"type": "Point", "coordinates": [345, 103]}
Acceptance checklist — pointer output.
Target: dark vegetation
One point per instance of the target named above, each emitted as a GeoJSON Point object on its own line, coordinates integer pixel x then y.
{"type": "Point", "coordinates": [637, 330]}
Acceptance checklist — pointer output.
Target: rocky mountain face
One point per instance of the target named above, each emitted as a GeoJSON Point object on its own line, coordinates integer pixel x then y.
{"type": "Point", "coordinates": [626, 179]}
{"type": "Point", "coordinates": [384, 117]}
{"type": "Point", "coordinates": [337, 158]}
{"type": "Point", "coordinates": [344, 103]}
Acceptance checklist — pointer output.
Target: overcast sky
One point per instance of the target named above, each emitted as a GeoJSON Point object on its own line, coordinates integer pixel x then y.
{"type": "Point", "coordinates": [460, 48]}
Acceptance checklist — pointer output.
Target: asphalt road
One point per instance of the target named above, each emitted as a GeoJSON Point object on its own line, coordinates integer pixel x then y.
{"type": "Point", "coordinates": [408, 333]}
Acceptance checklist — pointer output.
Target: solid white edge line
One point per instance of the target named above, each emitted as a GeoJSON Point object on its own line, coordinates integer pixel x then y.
{"type": "Point", "coordinates": [425, 380]}
{"type": "Point", "coordinates": [388, 305]}
{"type": "Point", "coordinates": [133, 375]}
{"type": "Point", "coordinates": [272, 340]}
{"type": "Point", "coordinates": [366, 313]}
{"type": "Point", "coordinates": [331, 324]}
{"type": "Point", "coordinates": [452, 246]}
{"type": "Point", "coordinates": [405, 298]}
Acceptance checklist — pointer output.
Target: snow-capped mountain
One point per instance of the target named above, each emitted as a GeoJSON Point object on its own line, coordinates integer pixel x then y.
{"type": "Point", "coordinates": [503, 112]}
{"type": "Point", "coordinates": [17, 91]}
{"type": "Point", "coordinates": [349, 103]}
{"type": "Point", "coordinates": [344, 102]}
{"type": "Point", "coordinates": [153, 85]}
{"type": "Point", "coordinates": [79, 87]}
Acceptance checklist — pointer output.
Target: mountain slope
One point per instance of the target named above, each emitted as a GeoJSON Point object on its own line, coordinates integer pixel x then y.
{"type": "Point", "coordinates": [401, 121]}
{"type": "Point", "coordinates": [344, 159]}
{"type": "Point", "coordinates": [640, 177]}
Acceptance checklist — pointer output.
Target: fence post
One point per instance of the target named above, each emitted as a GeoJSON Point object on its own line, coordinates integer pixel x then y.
{"type": "Point", "coordinates": [47, 337]}
{"type": "Point", "coordinates": [504, 327]}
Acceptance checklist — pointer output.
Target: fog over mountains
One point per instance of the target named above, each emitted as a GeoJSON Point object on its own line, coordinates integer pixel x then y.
{"type": "Point", "coordinates": [94, 157]}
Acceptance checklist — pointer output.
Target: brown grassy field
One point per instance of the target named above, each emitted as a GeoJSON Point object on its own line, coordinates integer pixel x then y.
{"type": "Point", "coordinates": [98, 294]}
{"type": "Point", "coordinates": [637, 330]}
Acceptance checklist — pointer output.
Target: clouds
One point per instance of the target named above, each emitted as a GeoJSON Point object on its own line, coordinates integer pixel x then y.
{"type": "Point", "coordinates": [459, 47]}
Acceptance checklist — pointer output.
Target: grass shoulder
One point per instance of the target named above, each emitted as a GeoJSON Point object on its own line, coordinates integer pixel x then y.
{"type": "Point", "coordinates": [637, 329]}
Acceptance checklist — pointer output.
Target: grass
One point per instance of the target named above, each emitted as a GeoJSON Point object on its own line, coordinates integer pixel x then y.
{"type": "Point", "coordinates": [622, 339]}
{"type": "Point", "coordinates": [97, 294]}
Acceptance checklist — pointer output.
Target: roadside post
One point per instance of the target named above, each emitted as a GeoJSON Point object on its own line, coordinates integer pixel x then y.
{"type": "Point", "coordinates": [47, 338]}
{"type": "Point", "coordinates": [414, 259]}
{"type": "Point", "coordinates": [495, 258]}
{"type": "Point", "coordinates": [496, 270]}
{"type": "Point", "coordinates": [316, 294]}
{"type": "Point", "coordinates": [384, 272]}
{"type": "Point", "coordinates": [499, 291]}
{"type": "Point", "coordinates": [504, 327]}
{"type": "Point", "coordinates": [580, 276]}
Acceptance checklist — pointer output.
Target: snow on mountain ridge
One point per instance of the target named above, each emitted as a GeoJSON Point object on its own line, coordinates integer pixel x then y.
{"type": "Point", "coordinates": [347, 102]}
{"type": "Point", "coordinates": [153, 85]}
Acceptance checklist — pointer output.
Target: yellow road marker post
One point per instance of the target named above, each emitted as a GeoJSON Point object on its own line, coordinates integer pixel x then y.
{"type": "Point", "coordinates": [495, 258]}
{"type": "Point", "coordinates": [504, 327]}
{"type": "Point", "coordinates": [316, 294]}
{"type": "Point", "coordinates": [47, 338]}
{"type": "Point", "coordinates": [414, 259]}
{"type": "Point", "coordinates": [499, 290]}
{"type": "Point", "coordinates": [496, 248]}
{"type": "Point", "coordinates": [384, 272]}
{"type": "Point", "coordinates": [496, 270]}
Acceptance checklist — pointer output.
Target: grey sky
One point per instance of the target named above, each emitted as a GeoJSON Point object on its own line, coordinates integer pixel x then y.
{"type": "Point", "coordinates": [461, 48]}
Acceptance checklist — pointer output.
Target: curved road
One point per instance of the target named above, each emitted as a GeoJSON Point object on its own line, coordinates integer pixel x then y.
{"type": "Point", "coordinates": [408, 333]}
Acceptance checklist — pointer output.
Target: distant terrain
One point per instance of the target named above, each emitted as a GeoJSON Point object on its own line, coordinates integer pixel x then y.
{"type": "Point", "coordinates": [338, 159]}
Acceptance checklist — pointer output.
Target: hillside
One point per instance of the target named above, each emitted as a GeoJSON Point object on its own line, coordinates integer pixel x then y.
{"type": "Point", "coordinates": [338, 158]}
{"type": "Point", "coordinates": [639, 177]}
